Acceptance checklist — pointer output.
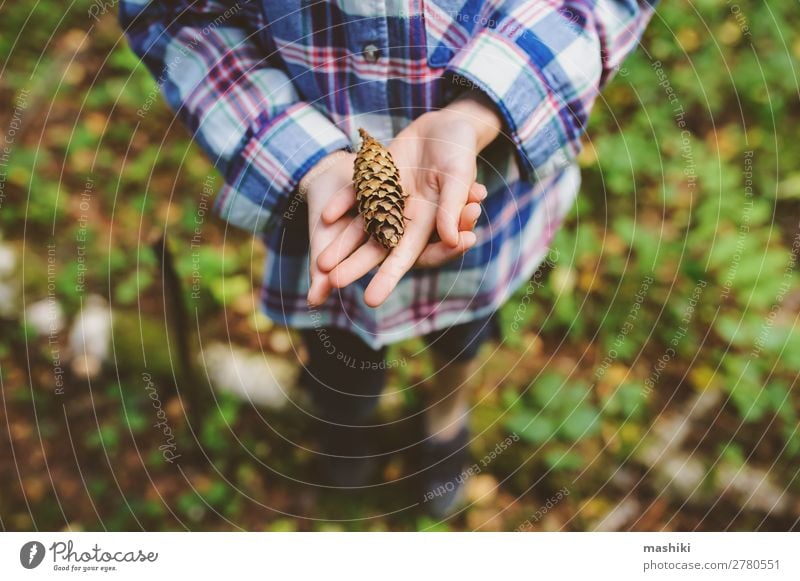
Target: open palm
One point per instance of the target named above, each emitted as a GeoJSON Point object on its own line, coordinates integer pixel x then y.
{"type": "Point", "coordinates": [437, 164]}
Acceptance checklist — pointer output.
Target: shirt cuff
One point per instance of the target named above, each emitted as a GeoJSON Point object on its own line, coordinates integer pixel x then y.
{"type": "Point", "coordinates": [261, 180]}
{"type": "Point", "coordinates": [496, 65]}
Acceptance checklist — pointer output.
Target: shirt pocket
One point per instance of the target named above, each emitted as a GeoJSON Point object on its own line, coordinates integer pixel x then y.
{"type": "Point", "coordinates": [290, 29]}
{"type": "Point", "coordinates": [448, 27]}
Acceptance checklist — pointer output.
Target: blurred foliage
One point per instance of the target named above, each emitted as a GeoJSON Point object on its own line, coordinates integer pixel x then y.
{"type": "Point", "coordinates": [698, 193]}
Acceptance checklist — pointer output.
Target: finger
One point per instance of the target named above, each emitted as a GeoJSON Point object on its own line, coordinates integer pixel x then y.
{"type": "Point", "coordinates": [477, 192]}
{"type": "Point", "coordinates": [469, 217]}
{"type": "Point", "coordinates": [319, 237]}
{"type": "Point", "coordinates": [319, 290]}
{"type": "Point", "coordinates": [452, 199]}
{"type": "Point", "coordinates": [439, 252]}
{"type": "Point", "coordinates": [342, 246]}
{"type": "Point", "coordinates": [404, 255]}
{"type": "Point", "coordinates": [338, 205]}
{"type": "Point", "coordinates": [358, 264]}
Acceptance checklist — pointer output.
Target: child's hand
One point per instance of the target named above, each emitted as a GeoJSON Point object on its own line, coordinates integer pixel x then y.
{"type": "Point", "coordinates": [436, 156]}
{"type": "Point", "coordinates": [332, 177]}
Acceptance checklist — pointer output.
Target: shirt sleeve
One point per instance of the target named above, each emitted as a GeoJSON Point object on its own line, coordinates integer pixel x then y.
{"type": "Point", "coordinates": [543, 64]}
{"type": "Point", "coordinates": [219, 71]}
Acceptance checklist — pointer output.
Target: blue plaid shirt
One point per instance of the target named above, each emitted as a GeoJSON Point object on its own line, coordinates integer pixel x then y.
{"type": "Point", "coordinates": [269, 88]}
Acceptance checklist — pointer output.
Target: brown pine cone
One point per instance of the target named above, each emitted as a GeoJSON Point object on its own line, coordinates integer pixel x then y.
{"type": "Point", "coordinates": [380, 196]}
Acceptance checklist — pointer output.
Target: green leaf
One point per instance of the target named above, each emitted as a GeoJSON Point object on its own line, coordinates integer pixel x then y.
{"type": "Point", "coordinates": [226, 290]}
{"type": "Point", "coordinates": [581, 423]}
{"type": "Point", "coordinates": [563, 460]}
{"type": "Point", "coordinates": [531, 428]}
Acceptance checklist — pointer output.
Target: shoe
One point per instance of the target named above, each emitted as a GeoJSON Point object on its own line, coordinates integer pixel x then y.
{"type": "Point", "coordinates": [443, 471]}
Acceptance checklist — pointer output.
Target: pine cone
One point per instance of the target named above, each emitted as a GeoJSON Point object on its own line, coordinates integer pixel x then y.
{"type": "Point", "coordinates": [380, 196]}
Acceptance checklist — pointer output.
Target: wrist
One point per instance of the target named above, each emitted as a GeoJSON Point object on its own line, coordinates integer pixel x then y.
{"type": "Point", "coordinates": [479, 111]}
{"type": "Point", "coordinates": [318, 169]}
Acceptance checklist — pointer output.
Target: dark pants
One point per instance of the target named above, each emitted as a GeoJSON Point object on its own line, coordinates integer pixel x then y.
{"type": "Point", "coordinates": [345, 376]}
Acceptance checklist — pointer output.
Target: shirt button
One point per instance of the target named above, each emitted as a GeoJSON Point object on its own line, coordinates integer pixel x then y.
{"type": "Point", "coordinates": [371, 53]}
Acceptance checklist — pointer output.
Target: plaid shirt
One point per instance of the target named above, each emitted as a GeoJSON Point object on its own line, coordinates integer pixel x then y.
{"type": "Point", "coordinates": [269, 88]}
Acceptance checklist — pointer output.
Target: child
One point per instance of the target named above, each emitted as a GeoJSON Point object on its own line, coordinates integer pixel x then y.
{"type": "Point", "coordinates": [482, 105]}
